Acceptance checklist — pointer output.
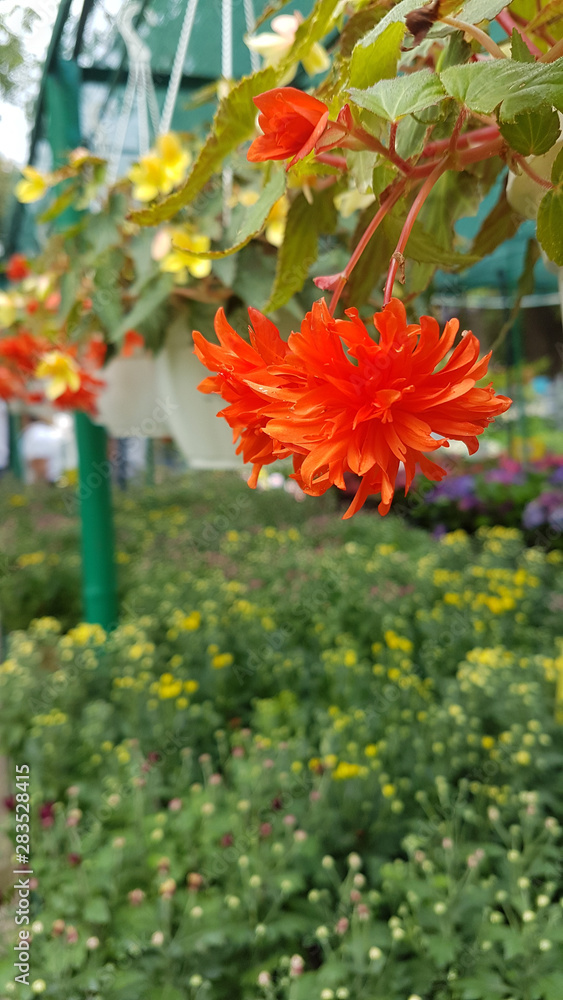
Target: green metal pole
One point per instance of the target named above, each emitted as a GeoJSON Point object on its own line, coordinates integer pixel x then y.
{"type": "Point", "coordinates": [149, 463]}
{"type": "Point", "coordinates": [99, 587]}
{"type": "Point", "coordinates": [94, 491]}
{"type": "Point", "coordinates": [14, 426]}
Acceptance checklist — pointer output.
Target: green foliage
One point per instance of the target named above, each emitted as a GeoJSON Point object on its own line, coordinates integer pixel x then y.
{"type": "Point", "coordinates": [233, 124]}
{"type": "Point", "coordinates": [532, 132]}
{"type": "Point", "coordinates": [550, 224]}
{"type": "Point", "coordinates": [501, 224]}
{"type": "Point", "coordinates": [516, 87]}
{"type": "Point", "coordinates": [361, 768]}
{"type": "Point", "coordinates": [254, 217]}
{"type": "Point", "coordinates": [403, 95]}
{"type": "Point", "coordinates": [305, 223]}
{"type": "Point", "coordinates": [378, 61]}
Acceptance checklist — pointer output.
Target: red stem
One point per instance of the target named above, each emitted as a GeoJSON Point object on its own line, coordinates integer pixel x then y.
{"type": "Point", "coordinates": [363, 242]}
{"type": "Point", "coordinates": [372, 143]}
{"type": "Point", "coordinates": [531, 173]}
{"type": "Point", "coordinates": [471, 155]}
{"type": "Point", "coordinates": [508, 24]}
{"type": "Point", "coordinates": [454, 142]}
{"type": "Point", "coordinates": [333, 160]}
{"type": "Point", "coordinates": [409, 223]}
{"type": "Point", "coordinates": [439, 145]}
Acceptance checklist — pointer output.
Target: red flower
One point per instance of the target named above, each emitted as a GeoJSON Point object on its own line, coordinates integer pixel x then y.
{"type": "Point", "coordinates": [95, 352]}
{"type": "Point", "coordinates": [23, 351]}
{"type": "Point", "coordinates": [47, 814]}
{"type": "Point", "coordinates": [292, 123]}
{"type": "Point", "coordinates": [11, 385]}
{"type": "Point", "coordinates": [17, 268]}
{"type": "Point", "coordinates": [131, 341]}
{"type": "Point", "coordinates": [242, 381]}
{"type": "Point", "coordinates": [368, 409]}
{"type": "Point", "coordinates": [84, 398]}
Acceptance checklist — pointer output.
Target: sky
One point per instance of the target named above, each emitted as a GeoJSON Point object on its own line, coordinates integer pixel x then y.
{"type": "Point", "coordinates": [14, 126]}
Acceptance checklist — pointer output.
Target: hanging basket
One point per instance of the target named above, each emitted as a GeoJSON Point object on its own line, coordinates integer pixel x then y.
{"type": "Point", "coordinates": [130, 404]}
{"type": "Point", "coordinates": [205, 441]}
{"type": "Point", "coordinates": [522, 192]}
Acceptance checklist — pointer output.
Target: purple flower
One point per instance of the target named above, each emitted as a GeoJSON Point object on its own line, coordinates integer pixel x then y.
{"type": "Point", "coordinates": [455, 488]}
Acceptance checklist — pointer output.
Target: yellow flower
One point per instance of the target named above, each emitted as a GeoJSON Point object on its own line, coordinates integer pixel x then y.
{"type": "Point", "coordinates": [182, 703]}
{"type": "Point", "coordinates": [190, 687]}
{"type": "Point", "coordinates": [275, 223]}
{"type": "Point", "coordinates": [191, 622]}
{"type": "Point", "coordinates": [221, 660]}
{"type": "Point", "coordinates": [17, 500]}
{"type": "Point", "coordinates": [136, 651]}
{"type": "Point", "coordinates": [371, 750]}
{"type": "Point", "coordinates": [33, 187]}
{"type": "Point", "coordinates": [274, 46]}
{"type": "Point", "coordinates": [184, 244]}
{"type": "Point", "coordinates": [149, 178]}
{"type": "Point", "coordinates": [388, 791]}
{"type": "Point", "coordinates": [174, 159]}
{"type": "Point", "coordinates": [170, 690]}
{"type": "Point", "coordinates": [7, 310]}
{"type": "Point", "coordinates": [344, 771]}
{"type": "Point", "coordinates": [61, 372]}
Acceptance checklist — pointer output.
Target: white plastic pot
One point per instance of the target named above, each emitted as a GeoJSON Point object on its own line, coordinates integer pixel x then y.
{"type": "Point", "coordinates": [523, 193]}
{"type": "Point", "coordinates": [205, 440]}
{"type": "Point", "coordinates": [131, 405]}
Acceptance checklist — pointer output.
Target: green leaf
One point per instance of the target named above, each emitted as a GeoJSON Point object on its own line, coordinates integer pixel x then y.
{"type": "Point", "coordinates": [550, 14]}
{"type": "Point", "coordinates": [59, 204]}
{"type": "Point", "coordinates": [397, 13]}
{"type": "Point", "coordinates": [377, 61]}
{"type": "Point", "coordinates": [532, 133]}
{"type": "Point", "coordinates": [97, 911]}
{"type": "Point", "coordinates": [476, 11]}
{"type": "Point", "coordinates": [312, 29]}
{"type": "Point", "coordinates": [550, 224]}
{"type": "Point", "coordinates": [299, 249]}
{"type": "Point", "coordinates": [403, 95]}
{"type": "Point", "coordinates": [557, 169]}
{"type": "Point", "coordinates": [515, 86]}
{"type": "Point", "coordinates": [525, 286]}
{"type": "Point", "coordinates": [422, 247]}
{"type": "Point", "coordinates": [152, 297]}
{"type": "Point", "coordinates": [501, 224]}
{"type": "Point", "coordinates": [519, 49]}
{"type": "Point", "coordinates": [357, 26]}
{"type": "Point", "coordinates": [454, 53]}
{"type": "Point", "coordinates": [255, 217]}
{"type": "Point", "coordinates": [233, 123]}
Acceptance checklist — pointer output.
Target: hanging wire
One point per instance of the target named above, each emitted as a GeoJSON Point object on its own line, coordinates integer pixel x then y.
{"type": "Point", "coordinates": [250, 22]}
{"type": "Point", "coordinates": [177, 69]}
{"type": "Point", "coordinates": [227, 73]}
{"type": "Point", "coordinates": [137, 87]}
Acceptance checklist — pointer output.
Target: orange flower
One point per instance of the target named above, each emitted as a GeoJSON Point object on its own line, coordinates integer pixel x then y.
{"type": "Point", "coordinates": [23, 351]}
{"type": "Point", "coordinates": [243, 380]}
{"type": "Point", "coordinates": [131, 341]}
{"type": "Point", "coordinates": [17, 268]}
{"type": "Point", "coordinates": [367, 409]}
{"type": "Point", "coordinates": [292, 123]}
